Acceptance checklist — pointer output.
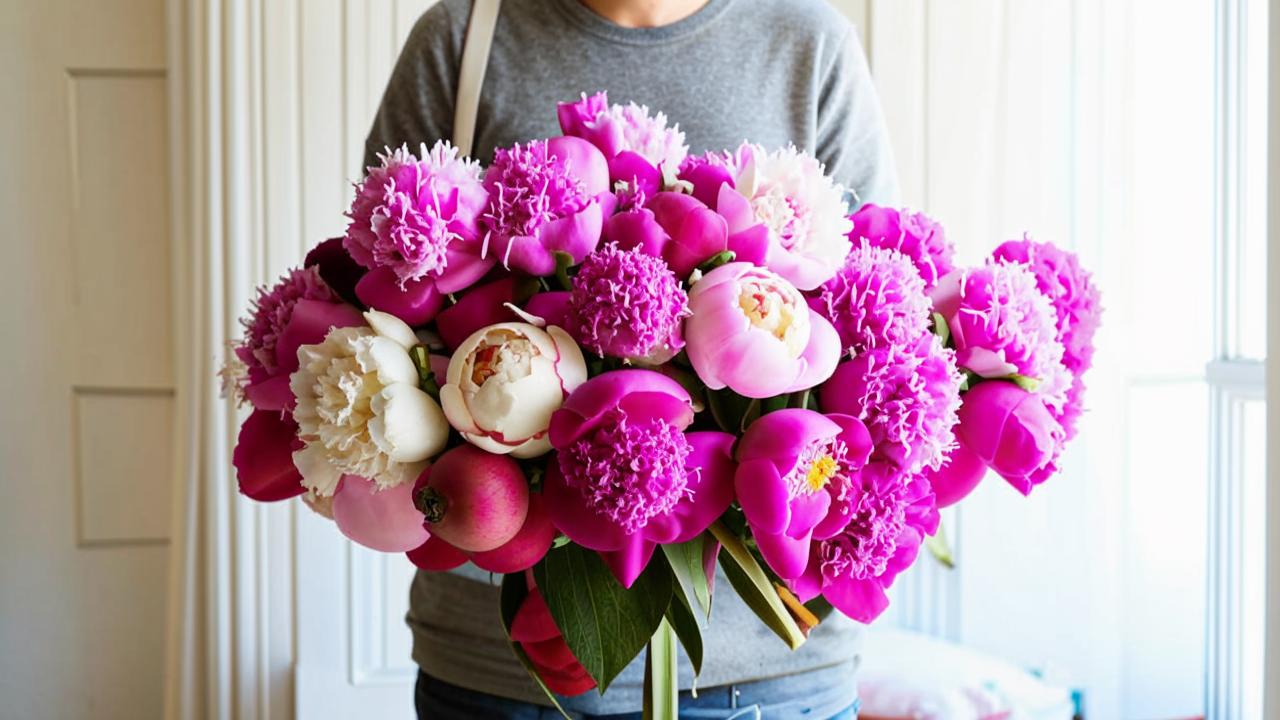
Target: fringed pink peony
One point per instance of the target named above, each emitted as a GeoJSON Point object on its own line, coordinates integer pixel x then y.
{"type": "Point", "coordinates": [414, 225]}
{"type": "Point", "coordinates": [1002, 325]}
{"type": "Point", "coordinates": [546, 197]}
{"type": "Point", "coordinates": [617, 129]}
{"type": "Point", "coordinates": [877, 299]}
{"type": "Point", "coordinates": [626, 477]}
{"type": "Point", "coordinates": [627, 304]}
{"type": "Point", "coordinates": [907, 396]}
{"type": "Point", "coordinates": [270, 312]}
{"type": "Point", "coordinates": [914, 234]}
{"type": "Point", "coordinates": [891, 515]}
{"type": "Point", "coordinates": [1070, 289]}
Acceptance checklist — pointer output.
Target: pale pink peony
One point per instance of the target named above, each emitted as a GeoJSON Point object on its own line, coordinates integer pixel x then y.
{"type": "Point", "coordinates": [753, 332]}
{"type": "Point", "coordinates": [803, 209]}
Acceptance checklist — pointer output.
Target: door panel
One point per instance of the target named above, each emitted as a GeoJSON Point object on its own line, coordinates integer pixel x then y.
{"type": "Point", "coordinates": [86, 374]}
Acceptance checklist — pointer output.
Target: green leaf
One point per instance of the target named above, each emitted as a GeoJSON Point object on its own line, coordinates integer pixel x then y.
{"type": "Point", "coordinates": [1029, 384]}
{"type": "Point", "coordinates": [421, 358]}
{"type": "Point", "coordinates": [754, 587]}
{"type": "Point", "coordinates": [778, 402]}
{"type": "Point", "coordinates": [661, 684]}
{"type": "Point", "coordinates": [605, 624]}
{"type": "Point", "coordinates": [512, 595]}
{"type": "Point", "coordinates": [715, 261]}
{"type": "Point", "coordinates": [684, 621]}
{"type": "Point", "coordinates": [685, 560]}
{"type": "Point", "coordinates": [940, 549]}
{"type": "Point", "coordinates": [941, 328]}
{"type": "Point", "coordinates": [564, 261]}
{"type": "Point", "coordinates": [732, 412]}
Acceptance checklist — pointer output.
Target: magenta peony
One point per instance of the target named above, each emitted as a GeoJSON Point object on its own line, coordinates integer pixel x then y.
{"type": "Point", "coordinates": [536, 632]}
{"type": "Point", "coordinates": [752, 331]}
{"type": "Point", "coordinates": [638, 145]}
{"type": "Point", "coordinates": [915, 235]}
{"type": "Point", "coordinates": [546, 197]}
{"type": "Point", "coordinates": [1071, 291]}
{"type": "Point", "coordinates": [907, 395]}
{"type": "Point", "coordinates": [875, 300]}
{"type": "Point", "coordinates": [627, 304]}
{"type": "Point", "coordinates": [671, 488]}
{"type": "Point", "coordinates": [1013, 432]}
{"type": "Point", "coordinates": [890, 516]}
{"type": "Point", "coordinates": [414, 225]}
{"type": "Point", "coordinates": [1003, 325]}
{"type": "Point", "coordinates": [683, 231]}
{"type": "Point", "coordinates": [795, 471]}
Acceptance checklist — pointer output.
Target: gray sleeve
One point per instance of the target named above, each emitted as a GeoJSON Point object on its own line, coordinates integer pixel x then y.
{"type": "Point", "coordinates": [417, 105]}
{"type": "Point", "coordinates": [852, 140]}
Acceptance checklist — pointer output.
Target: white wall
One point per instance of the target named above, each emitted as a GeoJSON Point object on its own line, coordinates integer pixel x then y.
{"type": "Point", "coordinates": [1090, 125]}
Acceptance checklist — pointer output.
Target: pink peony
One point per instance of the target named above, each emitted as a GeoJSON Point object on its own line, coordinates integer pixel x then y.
{"type": "Point", "coordinates": [1003, 325]}
{"type": "Point", "coordinates": [414, 225]}
{"type": "Point", "coordinates": [298, 310]}
{"type": "Point", "coordinates": [915, 235]}
{"type": "Point", "coordinates": [638, 145]}
{"type": "Point", "coordinates": [890, 514]}
{"type": "Point", "coordinates": [875, 300]}
{"type": "Point", "coordinates": [1070, 290]}
{"type": "Point", "coordinates": [627, 304]}
{"type": "Point", "coordinates": [752, 331]}
{"type": "Point", "coordinates": [906, 395]}
{"type": "Point", "coordinates": [670, 487]}
{"type": "Point", "coordinates": [546, 197]}
{"type": "Point", "coordinates": [795, 471]}
{"type": "Point", "coordinates": [802, 209]}
{"type": "Point", "coordinates": [1012, 431]}
{"type": "Point", "coordinates": [683, 231]}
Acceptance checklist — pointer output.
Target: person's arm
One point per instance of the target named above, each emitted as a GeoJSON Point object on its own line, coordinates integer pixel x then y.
{"type": "Point", "coordinates": [417, 105]}
{"type": "Point", "coordinates": [852, 140]}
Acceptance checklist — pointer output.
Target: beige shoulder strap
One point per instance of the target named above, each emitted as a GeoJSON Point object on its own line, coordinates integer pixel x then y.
{"type": "Point", "coordinates": [475, 58]}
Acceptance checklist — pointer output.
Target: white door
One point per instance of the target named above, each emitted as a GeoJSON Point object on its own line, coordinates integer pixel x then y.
{"type": "Point", "coordinates": [86, 376]}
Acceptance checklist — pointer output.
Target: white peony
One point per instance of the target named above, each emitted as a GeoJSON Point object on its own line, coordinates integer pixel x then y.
{"type": "Point", "coordinates": [505, 381]}
{"type": "Point", "coordinates": [804, 210]}
{"type": "Point", "coordinates": [360, 410]}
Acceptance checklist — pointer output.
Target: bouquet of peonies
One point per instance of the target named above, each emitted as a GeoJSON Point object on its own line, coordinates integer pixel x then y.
{"type": "Point", "coordinates": [602, 366]}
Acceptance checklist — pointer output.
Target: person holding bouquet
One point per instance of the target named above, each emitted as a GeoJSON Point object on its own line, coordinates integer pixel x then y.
{"type": "Point", "coordinates": [781, 72]}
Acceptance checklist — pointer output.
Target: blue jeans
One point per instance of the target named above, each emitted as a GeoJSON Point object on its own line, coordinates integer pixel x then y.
{"type": "Point", "coordinates": [762, 700]}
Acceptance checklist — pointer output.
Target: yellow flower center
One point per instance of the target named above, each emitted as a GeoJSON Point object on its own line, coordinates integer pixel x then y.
{"type": "Point", "coordinates": [820, 472]}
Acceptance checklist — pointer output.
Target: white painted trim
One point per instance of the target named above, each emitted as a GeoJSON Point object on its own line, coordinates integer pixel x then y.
{"type": "Point", "coordinates": [230, 641]}
{"type": "Point", "coordinates": [1271, 670]}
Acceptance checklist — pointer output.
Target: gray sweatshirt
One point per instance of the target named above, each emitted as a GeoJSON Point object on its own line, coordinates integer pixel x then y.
{"type": "Point", "coordinates": [770, 71]}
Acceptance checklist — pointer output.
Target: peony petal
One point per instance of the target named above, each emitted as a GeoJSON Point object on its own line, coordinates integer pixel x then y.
{"type": "Point", "coordinates": [821, 355]}
{"type": "Point", "coordinates": [630, 560]}
{"type": "Point", "coordinates": [533, 621]}
{"type": "Point", "coordinates": [465, 267]}
{"type": "Point", "coordinates": [750, 245]}
{"type": "Point", "coordinates": [786, 555]}
{"type": "Point", "coordinates": [553, 307]}
{"type": "Point", "coordinates": [862, 600]}
{"type": "Point", "coordinates": [391, 327]}
{"type": "Point", "coordinates": [571, 516]}
{"type": "Point", "coordinates": [336, 267]}
{"type": "Point", "coordinates": [383, 520]}
{"type": "Point", "coordinates": [310, 322]}
{"type": "Point", "coordinates": [271, 394]}
{"type": "Point", "coordinates": [763, 496]}
{"type": "Point", "coordinates": [582, 158]}
{"type": "Point", "coordinates": [632, 168]}
{"type": "Point", "coordinates": [779, 436]}
{"type": "Point", "coordinates": [958, 476]}
{"type": "Point", "coordinates": [577, 234]}
{"type": "Point", "coordinates": [407, 424]}
{"type": "Point", "coordinates": [711, 482]}
{"type": "Point", "coordinates": [436, 555]}
{"type": "Point", "coordinates": [263, 457]}
{"type": "Point", "coordinates": [479, 308]}
{"type": "Point", "coordinates": [416, 303]}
